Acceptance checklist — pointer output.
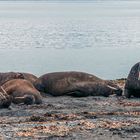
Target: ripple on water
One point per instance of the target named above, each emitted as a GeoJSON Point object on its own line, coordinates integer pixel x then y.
{"type": "Point", "coordinates": [74, 33]}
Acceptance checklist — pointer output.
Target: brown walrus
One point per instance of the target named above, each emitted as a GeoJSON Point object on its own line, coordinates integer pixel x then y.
{"type": "Point", "coordinates": [6, 76]}
{"type": "Point", "coordinates": [28, 76]}
{"type": "Point", "coordinates": [5, 99]}
{"type": "Point", "coordinates": [75, 84]}
{"type": "Point", "coordinates": [22, 91]}
{"type": "Point", "coordinates": [132, 85]}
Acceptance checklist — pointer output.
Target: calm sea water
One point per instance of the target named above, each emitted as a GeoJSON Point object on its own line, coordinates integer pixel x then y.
{"type": "Point", "coordinates": [99, 37]}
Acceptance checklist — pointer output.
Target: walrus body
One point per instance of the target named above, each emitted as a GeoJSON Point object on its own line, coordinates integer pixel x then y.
{"type": "Point", "coordinates": [22, 91]}
{"type": "Point", "coordinates": [4, 77]}
{"type": "Point", "coordinates": [28, 76]}
{"type": "Point", "coordinates": [75, 84]}
{"type": "Point", "coordinates": [132, 85]}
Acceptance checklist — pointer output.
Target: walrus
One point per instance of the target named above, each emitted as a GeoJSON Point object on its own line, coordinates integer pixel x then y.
{"type": "Point", "coordinates": [74, 83]}
{"type": "Point", "coordinates": [5, 99]}
{"type": "Point", "coordinates": [28, 76]}
{"type": "Point", "coordinates": [132, 85]}
{"type": "Point", "coordinates": [6, 76]}
{"type": "Point", "coordinates": [22, 91]}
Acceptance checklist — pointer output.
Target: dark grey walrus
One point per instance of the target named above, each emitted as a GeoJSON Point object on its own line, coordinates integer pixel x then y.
{"type": "Point", "coordinates": [132, 85]}
{"type": "Point", "coordinates": [73, 83]}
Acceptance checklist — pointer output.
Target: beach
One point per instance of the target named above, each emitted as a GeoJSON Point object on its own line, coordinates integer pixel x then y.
{"type": "Point", "coordinates": [64, 117]}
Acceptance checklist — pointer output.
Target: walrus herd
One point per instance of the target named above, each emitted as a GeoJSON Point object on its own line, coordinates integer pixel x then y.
{"type": "Point", "coordinates": [16, 87]}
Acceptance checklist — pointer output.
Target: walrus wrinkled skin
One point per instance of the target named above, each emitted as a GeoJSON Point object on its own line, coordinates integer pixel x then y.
{"type": "Point", "coordinates": [4, 77]}
{"type": "Point", "coordinates": [28, 76]}
{"type": "Point", "coordinates": [5, 99]}
{"type": "Point", "coordinates": [22, 91]}
{"type": "Point", "coordinates": [73, 83]}
{"type": "Point", "coordinates": [132, 85]}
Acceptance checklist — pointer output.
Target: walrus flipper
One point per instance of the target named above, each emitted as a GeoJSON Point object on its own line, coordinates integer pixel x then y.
{"type": "Point", "coordinates": [81, 89]}
{"type": "Point", "coordinates": [77, 93]}
{"type": "Point", "coordinates": [127, 93]}
{"type": "Point", "coordinates": [26, 99]}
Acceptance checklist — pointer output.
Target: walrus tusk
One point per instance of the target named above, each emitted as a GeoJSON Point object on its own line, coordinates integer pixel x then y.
{"type": "Point", "coordinates": [112, 87]}
{"type": "Point", "coordinates": [1, 95]}
{"type": "Point", "coordinates": [3, 90]}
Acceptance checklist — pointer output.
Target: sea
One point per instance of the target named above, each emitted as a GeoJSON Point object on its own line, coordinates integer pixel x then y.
{"type": "Point", "coordinates": [101, 37]}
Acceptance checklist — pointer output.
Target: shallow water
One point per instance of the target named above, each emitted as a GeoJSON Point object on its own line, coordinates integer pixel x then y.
{"type": "Point", "coordinates": [100, 37]}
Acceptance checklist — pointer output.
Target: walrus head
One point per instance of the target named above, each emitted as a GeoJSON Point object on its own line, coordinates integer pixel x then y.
{"type": "Point", "coordinates": [116, 91]}
{"type": "Point", "coordinates": [39, 85]}
{"type": "Point", "coordinates": [29, 99]}
{"type": "Point", "coordinates": [5, 100]}
{"type": "Point", "coordinates": [26, 99]}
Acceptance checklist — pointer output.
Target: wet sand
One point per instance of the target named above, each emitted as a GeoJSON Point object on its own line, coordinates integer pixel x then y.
{"type": "Point", "coordinates": [60, 118]}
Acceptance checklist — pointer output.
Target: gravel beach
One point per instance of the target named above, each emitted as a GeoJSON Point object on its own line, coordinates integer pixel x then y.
{"type": "Point", "coordinates": [60, 118]}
